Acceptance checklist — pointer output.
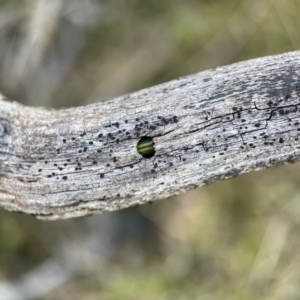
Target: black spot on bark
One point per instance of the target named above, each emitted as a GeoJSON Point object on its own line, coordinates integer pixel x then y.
{"type": "Point", "coordinates": [166, 122]}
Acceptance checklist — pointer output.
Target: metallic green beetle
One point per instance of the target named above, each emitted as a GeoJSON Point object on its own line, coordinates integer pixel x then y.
{"type": "Point", "coordinates": [145, 147]}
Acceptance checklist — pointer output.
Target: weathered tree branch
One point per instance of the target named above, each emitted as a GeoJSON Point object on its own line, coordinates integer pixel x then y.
{"type": "Point", "coordinates": [206, 127]}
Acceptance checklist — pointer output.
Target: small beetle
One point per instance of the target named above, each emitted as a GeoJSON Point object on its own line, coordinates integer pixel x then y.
{"type": "Point", "coordinates": [145, 147]}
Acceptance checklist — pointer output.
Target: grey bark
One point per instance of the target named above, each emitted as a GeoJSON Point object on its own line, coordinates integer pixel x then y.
{"type": "Point", "coordinates": [210, 126]}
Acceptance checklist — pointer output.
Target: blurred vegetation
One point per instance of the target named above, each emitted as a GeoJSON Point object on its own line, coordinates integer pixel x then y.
{"type": "Point", "coordinates": [238, 239]}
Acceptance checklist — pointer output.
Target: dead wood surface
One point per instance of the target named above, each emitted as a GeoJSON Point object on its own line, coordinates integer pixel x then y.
{"type": "Point", "coordinates": [206, 127]}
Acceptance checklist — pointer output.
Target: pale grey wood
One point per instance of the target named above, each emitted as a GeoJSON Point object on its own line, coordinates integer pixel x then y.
{"type": "Point", "coordinates": [206, 127]}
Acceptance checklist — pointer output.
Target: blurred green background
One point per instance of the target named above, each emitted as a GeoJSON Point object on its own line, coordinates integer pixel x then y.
{"type": "Point", "coordinates": [238, 239]}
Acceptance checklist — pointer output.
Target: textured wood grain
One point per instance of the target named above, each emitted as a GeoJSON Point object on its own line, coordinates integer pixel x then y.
{"type": "Point", "coordinates": [206, 127]}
